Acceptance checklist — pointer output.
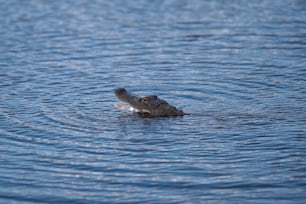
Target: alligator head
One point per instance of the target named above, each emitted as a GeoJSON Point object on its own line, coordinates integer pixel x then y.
{"type": "Point", "coordinates": [148, 105]}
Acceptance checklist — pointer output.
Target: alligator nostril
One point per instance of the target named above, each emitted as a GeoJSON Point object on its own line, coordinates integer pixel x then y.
{"type": "Point", "coordinates": [120, 91]}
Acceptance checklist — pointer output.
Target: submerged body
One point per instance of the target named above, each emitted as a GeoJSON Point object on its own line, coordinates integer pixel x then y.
{"type": "Point", "coordinates": [148, 105]}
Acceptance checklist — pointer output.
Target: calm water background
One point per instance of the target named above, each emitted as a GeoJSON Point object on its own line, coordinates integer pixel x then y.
{"type": "Point", "coordinates": [238, 68]}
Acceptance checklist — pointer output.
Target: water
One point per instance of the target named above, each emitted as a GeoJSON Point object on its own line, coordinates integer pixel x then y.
{"type": "Point", "coordinates": [238, 68]}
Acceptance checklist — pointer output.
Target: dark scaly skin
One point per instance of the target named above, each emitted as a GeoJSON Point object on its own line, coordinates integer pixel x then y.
{"type": "Point", "coordinates": [148, 105]}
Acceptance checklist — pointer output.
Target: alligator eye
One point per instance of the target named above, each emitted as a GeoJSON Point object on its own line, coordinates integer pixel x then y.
{"type": "Point", "coordinates": [145, 100]}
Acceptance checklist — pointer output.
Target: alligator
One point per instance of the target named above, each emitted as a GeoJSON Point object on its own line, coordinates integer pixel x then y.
{"type": "Point", "coordinates": [148, 106]}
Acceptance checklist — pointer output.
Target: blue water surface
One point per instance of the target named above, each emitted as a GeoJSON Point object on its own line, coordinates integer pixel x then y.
{"type": "Point", "coordinates": [238, 68]}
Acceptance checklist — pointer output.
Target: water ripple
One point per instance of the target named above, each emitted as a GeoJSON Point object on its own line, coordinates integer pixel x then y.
{"type": "Point", "coordinates": [237, 69]}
